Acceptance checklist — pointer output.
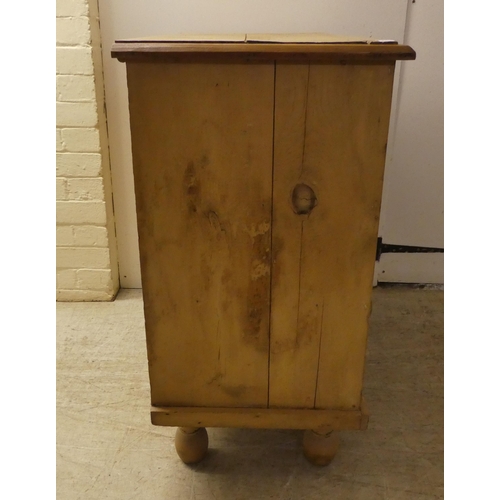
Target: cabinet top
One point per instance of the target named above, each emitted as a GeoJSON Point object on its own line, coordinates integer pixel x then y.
{"type": "Point", "coordinates": [306, 46]}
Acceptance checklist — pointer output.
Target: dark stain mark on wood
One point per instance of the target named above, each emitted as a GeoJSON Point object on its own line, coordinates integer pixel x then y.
{"type": "Point", "coordinates": [256, 319]}
{"type": "Point", "coordinates": [234, 391]}
{"type": "Point", "coordinates": [192, 188]}
{"type": "Point", "coordinates": [216, 378]}
{"type": "Point", "coordinates": [299, 327]}
{"type": "Point", "coordinates": [192, 185]}
{"type": "Point", "coordinates": [319, 351]}
{"type": "Point", "coordinates": [204, 161]}
{"type": "Point", "coordinates": [276, 268]}
{"type": "Point", "coordinates": [215, 221]}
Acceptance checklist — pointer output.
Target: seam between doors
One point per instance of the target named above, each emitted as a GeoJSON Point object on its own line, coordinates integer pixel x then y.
{"type": "Point", "coordinates": [271, 244]}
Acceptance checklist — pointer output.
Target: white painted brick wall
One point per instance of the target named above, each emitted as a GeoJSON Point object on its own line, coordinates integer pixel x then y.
{"type": "Point", "coordinates": [93, 279]}
{"type": "Point", "coordinates": [71, 8]}
{"type": "Point", "coordinates": [85, 241]}
{"type": "Point", "coordinates": [64, 236]}
{"type": "Point", "coordinates": [78, 164]}
{"type": "Point", "coordinates": [85, 189]}
{"type": "Point", "coordinates": [90, 236]}
{"type": "Point", "coordinates": [59, 144]}
{"type": "Point", "coordinates": [66, 278]}
{"type": "Point", "coordinates": [82, 236]}
{"type": "Point", "coordinates": [87, 258]}
{"type": "Point", "coordinates": [84, 140]}
{"type": "Point", "coordinates": [76, 114]}
{"type": "Point", "coordinates": [72, 31]}
{"type": "Point", "coordinates": [61, 188]}
{"type": "Point", "coordinates": [74, 61]}
{"type": "Point", "coordinates": [75, 88]}
{"type": "Point", "coordinates": [81, 212]}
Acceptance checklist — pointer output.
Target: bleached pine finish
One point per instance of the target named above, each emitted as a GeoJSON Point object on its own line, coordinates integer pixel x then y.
{"type": "Point", "coordinates": [202, 141]}
{"type": "Point", "coordinates": [261, 418]}
{"type": "Point", "coordinates": [330, 134]}
{"type": "Point", "coordinates": [258, 172]}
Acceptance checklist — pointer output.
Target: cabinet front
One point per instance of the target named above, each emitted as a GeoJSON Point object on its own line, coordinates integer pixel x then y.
{"type": "Point", "coordinates": [331, 125]}
{"type": "Point", "coordinates": [258, 190]}
{"type": "Point", "coordinates": [202, 144]}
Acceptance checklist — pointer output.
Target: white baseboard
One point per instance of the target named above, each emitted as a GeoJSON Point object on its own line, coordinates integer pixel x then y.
{"type": "Point", "coordinates": [410, 268]}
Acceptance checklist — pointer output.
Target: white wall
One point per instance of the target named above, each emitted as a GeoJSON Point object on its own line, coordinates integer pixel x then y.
{"type": "Point", "coordinates": [413, 201]}
{"type": "Point", "coordinates": [86, 247]}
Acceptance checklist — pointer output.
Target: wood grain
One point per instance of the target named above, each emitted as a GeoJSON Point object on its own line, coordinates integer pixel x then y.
{"type": "Point", "coordinates": [331, 132]}
{"type": "Point", "coordinates": [326, 52]}
{"type": "Point", "coordinates": [275, 418]}
{"type": "Point", "coordinates": [202, 153]}
{"type": "Point", "coordinates": [255, 38]}
{"type": "Point", "coordinates": [294, 346]}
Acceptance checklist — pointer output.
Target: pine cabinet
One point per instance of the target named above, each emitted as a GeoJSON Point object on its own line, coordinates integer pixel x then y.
{"type": "Point", "coordinates": [258, 167]}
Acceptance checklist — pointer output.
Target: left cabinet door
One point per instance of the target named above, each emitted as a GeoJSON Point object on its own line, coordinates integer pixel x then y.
{"type": "Point", "coordinates": [202, 146]}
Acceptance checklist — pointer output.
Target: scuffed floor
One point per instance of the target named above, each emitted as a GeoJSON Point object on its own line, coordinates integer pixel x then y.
{"type": "Point", "coordinates": [107, 448]}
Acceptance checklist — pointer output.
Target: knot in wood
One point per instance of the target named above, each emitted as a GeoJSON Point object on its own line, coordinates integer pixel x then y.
{"type": "Point", "coordinates": [303, 199]}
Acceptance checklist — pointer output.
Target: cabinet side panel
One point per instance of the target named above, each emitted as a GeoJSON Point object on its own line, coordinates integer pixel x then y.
{"type": "Point", "coordinates": [202, 154]}
{"type": "Point", "coordinates": [344, 134]}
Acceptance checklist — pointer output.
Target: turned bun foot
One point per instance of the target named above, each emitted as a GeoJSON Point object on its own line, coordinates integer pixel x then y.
{"type": "Point", "coordinates": [320, 449]}
{"type": "Point", "coordinates": [191, 444]}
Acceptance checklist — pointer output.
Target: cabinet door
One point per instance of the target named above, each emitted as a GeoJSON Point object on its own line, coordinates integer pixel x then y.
{"type": "Point", "coordinates": [202, 141]}
{"type": "Point", "coordinates": [330, 135]}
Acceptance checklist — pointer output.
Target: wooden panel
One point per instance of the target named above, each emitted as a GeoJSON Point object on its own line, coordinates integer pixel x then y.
{"type": "Point", "coordinates": [331, 135]}
{"type": "Point", "coordinates": [309, 38]}
{"type": "Point", "coordinates": [324, 420]}
{"type": "Point", "coordinates": [289, 38]}
{"type": "Point", "coordinates": [202, 154]}
{"type": "Point", "coordinates": [331, 52]}
{"type": "Point", "coordinates": [294, 348]}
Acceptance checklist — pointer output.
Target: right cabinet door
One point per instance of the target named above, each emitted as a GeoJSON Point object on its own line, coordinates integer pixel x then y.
{"type": "Point", "coordinates": [331, 125]}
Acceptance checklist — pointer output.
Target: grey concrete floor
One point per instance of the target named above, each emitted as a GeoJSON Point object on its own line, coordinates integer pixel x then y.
{"type": "Point", "coordinates": [107, 448]}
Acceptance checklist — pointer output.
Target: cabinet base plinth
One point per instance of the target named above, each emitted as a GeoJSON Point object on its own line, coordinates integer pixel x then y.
{"type": "Point", "coordinates": [322, 421]}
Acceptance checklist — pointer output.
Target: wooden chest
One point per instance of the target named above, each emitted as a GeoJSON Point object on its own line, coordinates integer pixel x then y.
{"type": "Point", "coordinates": [258, 166]}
